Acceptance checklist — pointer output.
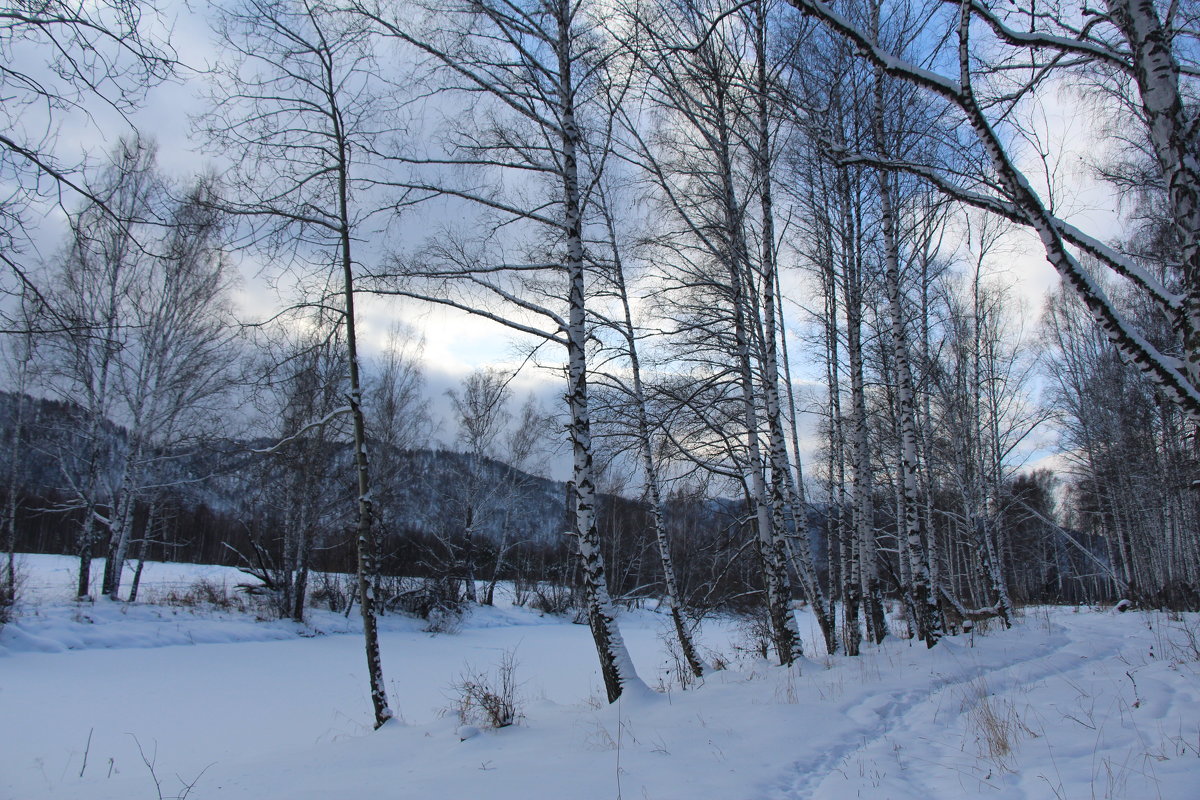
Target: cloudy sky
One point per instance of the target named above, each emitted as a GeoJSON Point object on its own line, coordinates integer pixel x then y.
{"type": "Point", "coordinates": [455, 343]}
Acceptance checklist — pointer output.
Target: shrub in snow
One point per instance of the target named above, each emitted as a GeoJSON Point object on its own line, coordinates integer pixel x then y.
{"type": "Point", "coordinates": [203, 592]}
{"type": "Point", "coordinates": [486, 700]}
{"type": "Point", "coordinates": [443, 620]}
{"type": "Point", "coordinates": [332, 590]}
{"type": "Point", "coordinates": [10, 586]}
{"type": "Point", "coordinates": [439, 601]}
{"type": "Point", "coordinates": [555, 598]}
{"type": "Point", "coordinates": [754, 637]}
{"type": "Point", "coordinates": [676, 670]}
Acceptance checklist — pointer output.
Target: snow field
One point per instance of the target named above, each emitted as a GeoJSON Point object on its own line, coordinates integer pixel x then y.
{"type": "Point", "coordinates": [1066, 705]}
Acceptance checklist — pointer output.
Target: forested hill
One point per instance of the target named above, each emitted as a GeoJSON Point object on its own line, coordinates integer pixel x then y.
{"type": "Point", "coordinates": [216, 491]}
{"type": "Point", "coordinates": [245, 503]}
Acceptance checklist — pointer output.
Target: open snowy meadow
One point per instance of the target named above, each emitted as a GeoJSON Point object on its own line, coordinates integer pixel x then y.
{"type": "Point", "coordinates": [179, 697]}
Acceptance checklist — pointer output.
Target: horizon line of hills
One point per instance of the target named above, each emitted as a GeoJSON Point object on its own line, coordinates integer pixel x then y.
{"type": "Point", "coordinates": [213, 489]}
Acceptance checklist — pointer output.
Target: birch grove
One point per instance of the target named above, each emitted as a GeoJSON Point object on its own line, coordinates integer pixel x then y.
{"type": "Point", "coordinates": [765, 253]}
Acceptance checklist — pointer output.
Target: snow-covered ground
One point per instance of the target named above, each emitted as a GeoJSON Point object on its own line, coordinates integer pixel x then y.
{"type": "Point", "coordinates": [1067, 705]}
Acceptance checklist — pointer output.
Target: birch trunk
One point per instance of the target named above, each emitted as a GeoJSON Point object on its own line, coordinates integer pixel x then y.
{"type": "Point", "coordinates": [934, 553]}
{"type": "Point", "coordinates": [866, 563]}
{"type": "Point", "coordinates": [9, 587]}
{"type": "Point", "coordinates": [297, 587]}
{"type": "Point", "coordinates": [649, 467]}
{"type": "Point", "coordinates": [921, 599]}
{"type": "Point", "coordinates": [469, 553]}
{"type": "Point", "coordinates": [786, 498]}
{"type": "Point", "coordinates": [86, 540]}
{"type": "Point", "coordinates": [835, 521]}
{"type": "Point", "coordinates": [858, 543]}
{"type": "Point", "coordinates": [98, 401]}
{"type": "Point", "coordinates": [365, 535]}
{"type": "Point", "coordinates": [616, 666]}
{"type": "Point", "coordinates": [151, 521]}
{"type": "Point", "coordinates": [122, 522]}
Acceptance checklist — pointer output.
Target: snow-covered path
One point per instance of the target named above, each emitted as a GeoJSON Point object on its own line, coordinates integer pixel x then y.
{"type": "Point", "coordinates": [1036, 721]}
{"type": "Point", "coordinates": [1066, 705]}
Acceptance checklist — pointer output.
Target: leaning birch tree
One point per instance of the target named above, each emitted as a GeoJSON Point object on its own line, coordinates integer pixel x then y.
{"type": "Point", "coordinates": [632, 386]}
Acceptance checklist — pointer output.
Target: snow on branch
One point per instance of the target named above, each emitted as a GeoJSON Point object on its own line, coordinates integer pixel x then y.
{"type": "Point", "coordinates": [322, 422]}
{"type": "Point", "coordinates": [1115, 260]}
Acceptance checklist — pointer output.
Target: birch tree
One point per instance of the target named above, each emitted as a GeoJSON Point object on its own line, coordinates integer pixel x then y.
{"type": "Point", "coordinates": [700, 89]}
{"type": "Point", "coordinates": [905, 115]}
{"type": "Point", "coordinates": [789, 509]}
{"type": "Point", "coordinates": [22, 349]}
{"type": "Point", "coordinates": [832, 95]}
{"type": "Point", "coordinates": [173, 368]}
{"type": "Point", "coordinates": [297, 103]}
{"type": "Point", "coordinates": [814, 183]}
{"type": "Point", "coordinates": [1130, 466]}
{"type": "Point", "coordinates": [480, 410]}
{"type": "Point", "coordinates": [533, 69]}
{"type": "Point", "coordinates": [90, 291]}
{"type": "Point", "coordinates": [398, 408]}
{"type": "Point", "coordinates": [300, 502]}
